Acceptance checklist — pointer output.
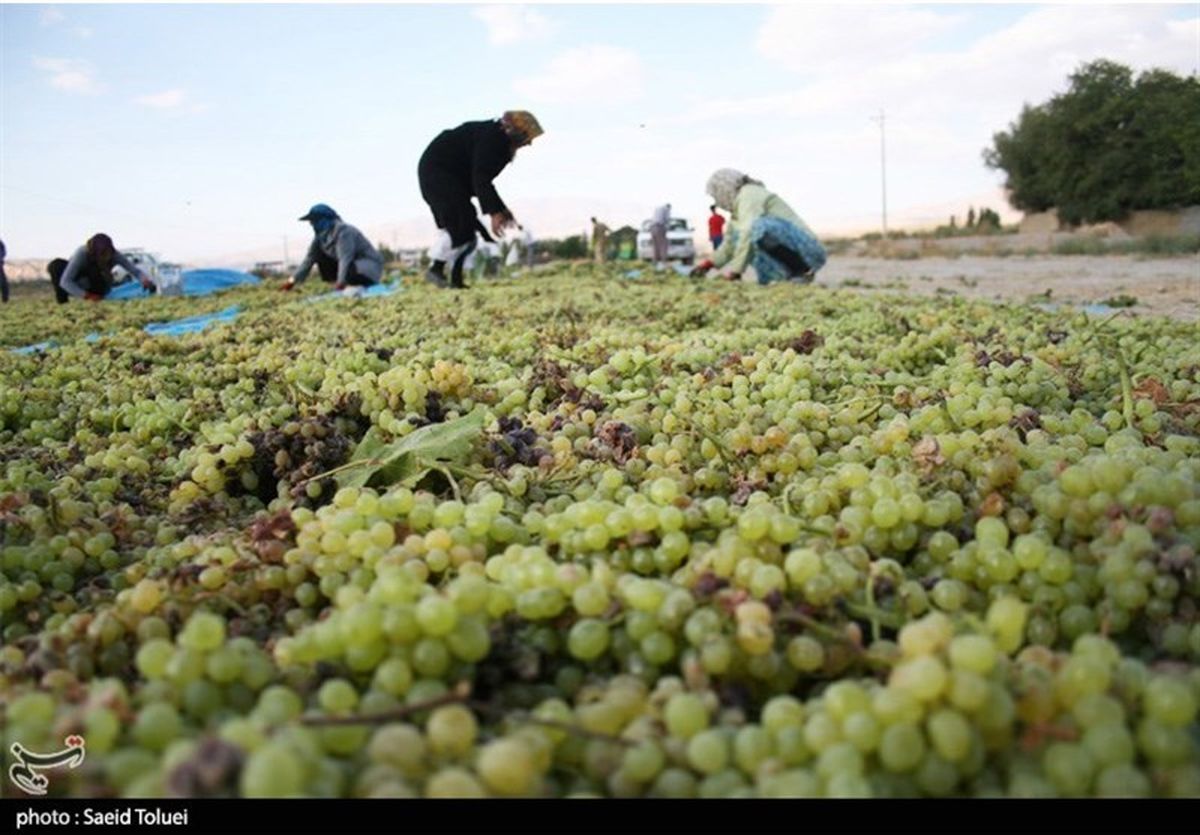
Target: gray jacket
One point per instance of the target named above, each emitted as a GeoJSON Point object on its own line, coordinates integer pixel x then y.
{"type": "Point", "coordinates": [351, 249]}
{"type": "Point", "coordinates": [70, 285]}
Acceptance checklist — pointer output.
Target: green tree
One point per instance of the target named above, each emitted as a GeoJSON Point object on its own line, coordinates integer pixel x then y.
{"type": "Point", "coordinates": [1109, 145]}
{"type": "Point", "coordinates": [566, 248]}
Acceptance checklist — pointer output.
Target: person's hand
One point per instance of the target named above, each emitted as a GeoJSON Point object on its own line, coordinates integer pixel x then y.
{"type": "Point", "coordinates": [500, 222]}
{"type": "Point", "coordinates": [147, 284]}
{"type": "Point", "coordinates": [700, 269]}
{"type": "Point", "coordinates": [341, 285]}
{"type": "Point", "coordinates": [92, 297]}
{"type": "Point", "coordinates": [731, 275]}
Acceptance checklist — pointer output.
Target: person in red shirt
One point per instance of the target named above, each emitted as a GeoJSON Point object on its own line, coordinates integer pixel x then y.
{"type": "Point", "coordinates": [716, 228]}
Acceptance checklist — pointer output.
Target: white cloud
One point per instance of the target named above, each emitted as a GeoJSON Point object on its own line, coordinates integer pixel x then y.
{"type": "Point", "coordinates": [50, 16]}
{"type": "Point", "coordinates": [69, 74]}
{"type": "Point", "coordinates": [821, 39]}
{"type": "Point", "coordinates": [1186, 30]}
{"type": "Point", "coordinates": [587, 73]}
{"type": "Point", "coordinates": [165, 100]}
{"type": "Point", "coordinates": [83, 31]}
{"type": "Point", "coordinates": [513, 24]}
{"type": "Point", "coordinates": [984, 82]}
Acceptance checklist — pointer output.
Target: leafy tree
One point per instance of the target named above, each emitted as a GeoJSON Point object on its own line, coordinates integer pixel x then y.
{"type": "Point", "coordinates": [573, 247]}
{"type": "Point", "coordinates": [1109, 145]}
{"type": "Point", "coordinates": [988, 221]}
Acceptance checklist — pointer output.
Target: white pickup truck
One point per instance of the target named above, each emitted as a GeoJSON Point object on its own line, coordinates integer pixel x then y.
{"type": "Point", "coordinates": [167, 277]}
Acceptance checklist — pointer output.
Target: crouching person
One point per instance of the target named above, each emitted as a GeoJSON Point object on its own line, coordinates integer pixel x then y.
{"type": "Point", "coordinates": [88, 275]}
{"type": "Point", "coordinates": [765, 240]}
{"type": "Point", "coordinates": [342, 254]}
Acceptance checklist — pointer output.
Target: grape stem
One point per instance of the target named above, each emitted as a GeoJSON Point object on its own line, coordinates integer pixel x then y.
{"type": "Point", "coordinates": [347, 466]}
{"type": "Point", "coordinates": [813, 625]}
{"type": "Point", "coordinates": [785, 499]}
{"type": "Point", "coordinates": [1126, 388]}
{"type": "Point", "coordinates": [878, 617]}
{"type": "Point", "coordinates": [714, 440]}
{"type": "Point", "coordinates": [870, 413]}
{"type": "Point", "coordinates": [450, 478]}
{"type": "Point", "coordinates": [525, 716]}
{"type": "Point", "coordinates": [459, 695]}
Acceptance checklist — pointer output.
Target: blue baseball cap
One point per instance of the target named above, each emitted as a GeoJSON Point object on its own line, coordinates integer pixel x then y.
{"type": "Point", "coordinates": [319, 210]}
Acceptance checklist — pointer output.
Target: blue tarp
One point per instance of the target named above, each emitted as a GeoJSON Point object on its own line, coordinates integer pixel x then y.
{"type": "Point", "coordinates": [192, 324]}
{"type": "Point", "coordinates": [358, 292]}
{"type": "Point", "coordinates": [33, 349]}
{"type": "Point", "coordinates": [179, 327]}
{"type": "Point", "coordinates": [48, 344]}
{"type": "Point", "coordinates": [679, 269]}
{"type": "Point", "coordinates": [195, 283]}
{"type": "Point", "coordinates": [1094, 309]}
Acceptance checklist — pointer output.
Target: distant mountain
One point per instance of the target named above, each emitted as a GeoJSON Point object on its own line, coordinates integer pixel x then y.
{"type": "Point", "coordinates": [545, 218]}
{"type": "Point", "coordinates": [559, 217]}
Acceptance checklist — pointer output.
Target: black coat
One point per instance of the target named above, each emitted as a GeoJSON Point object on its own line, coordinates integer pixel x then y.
{"type": "Point", "coordinates": [461, 163]}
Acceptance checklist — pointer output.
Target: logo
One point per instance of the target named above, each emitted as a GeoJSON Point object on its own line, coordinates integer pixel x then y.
{"type": "Point", "coordinates": [24, 772]}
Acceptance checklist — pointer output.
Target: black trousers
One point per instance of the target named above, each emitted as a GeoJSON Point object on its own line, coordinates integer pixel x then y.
{"type": "Point", "coordinates": [3, 285]}
{"type": "Point", "coordinates": [328, 267]}
{"type": "Point", "coordinates": [449, 200]}
{"type": "Point", "coordinates": [91, 278]}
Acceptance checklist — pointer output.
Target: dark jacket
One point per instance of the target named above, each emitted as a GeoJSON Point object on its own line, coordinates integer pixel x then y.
{"type": "Point", "coordinates": [466, 159]}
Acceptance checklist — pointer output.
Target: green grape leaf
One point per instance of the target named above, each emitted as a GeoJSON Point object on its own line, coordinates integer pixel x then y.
{"type": "Point", "coordinates": [406, 460]}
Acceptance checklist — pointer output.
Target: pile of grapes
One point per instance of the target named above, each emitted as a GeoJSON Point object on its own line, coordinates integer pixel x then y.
{"type": "Point", "coordinates": [581, 535]}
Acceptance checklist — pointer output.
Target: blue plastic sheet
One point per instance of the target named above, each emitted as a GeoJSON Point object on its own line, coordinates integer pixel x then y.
{"type": "Point", "coordinates": [195, 283]}
{"type": "Point", "coordinates": [33, 349]}
{"type": "Point", "coordinates": [1093, 309]}
{"type": "Point", "coordinates": [678, 269]}
{"type": "Point", "coordinates": [192, 324]}
{"type": "Point", "coordinates": [358, 292]}
{"type": "Point", "coordinates": [178, 327]}
{"type": "Point", "coordinates": [48, 344]}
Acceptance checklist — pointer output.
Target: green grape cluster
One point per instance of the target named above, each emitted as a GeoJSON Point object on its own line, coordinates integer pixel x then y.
{"type": "Point", "coordinates": [711, 541]}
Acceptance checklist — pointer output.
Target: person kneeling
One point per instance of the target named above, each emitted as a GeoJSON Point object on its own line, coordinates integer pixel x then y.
{"type": "Point", "coordinates": [342, 254]}
{"type": "Point", "coordinates": [765, 240]}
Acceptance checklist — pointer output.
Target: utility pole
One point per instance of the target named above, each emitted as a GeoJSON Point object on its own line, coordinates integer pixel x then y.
{"type": "Point", "coordinates": [285, 261]}
{"type": "Point", "coordinates": [881, 118]}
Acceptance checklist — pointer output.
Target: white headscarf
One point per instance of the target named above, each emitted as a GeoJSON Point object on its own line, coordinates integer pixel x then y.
{"type": "Point", "coordinates": [724, 185]}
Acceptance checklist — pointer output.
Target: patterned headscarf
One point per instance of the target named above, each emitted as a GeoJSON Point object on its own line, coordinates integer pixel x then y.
{"type": "Point", "coordinates": [724, 185]}
{"type": "Point", "coordinates": [100, 249]}
{"type": "Point", "coordinates": [521, 125]}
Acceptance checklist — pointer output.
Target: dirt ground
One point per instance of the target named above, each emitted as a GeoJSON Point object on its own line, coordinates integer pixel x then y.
{"type": "Point", "coordinates": [1162, 286]}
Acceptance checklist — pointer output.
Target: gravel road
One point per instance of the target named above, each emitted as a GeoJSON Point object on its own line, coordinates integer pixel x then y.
{"type": "Point", "coordinates": [1162, 286]}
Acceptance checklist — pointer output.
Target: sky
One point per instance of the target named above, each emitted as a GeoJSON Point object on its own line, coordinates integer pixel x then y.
{"type": "Point", "coordinates": [203, 131]}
